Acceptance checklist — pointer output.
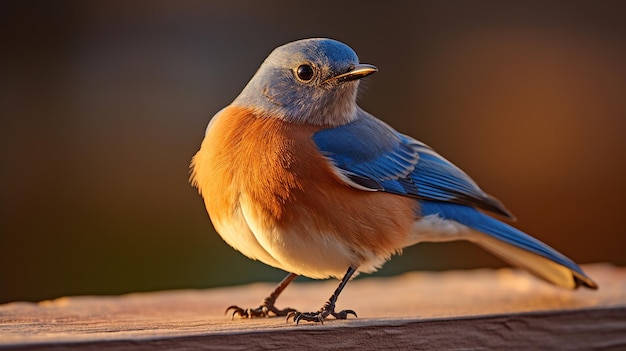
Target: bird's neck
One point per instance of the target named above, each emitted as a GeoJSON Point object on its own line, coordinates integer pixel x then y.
{"type": "Point", "coordinates": [323, 108]}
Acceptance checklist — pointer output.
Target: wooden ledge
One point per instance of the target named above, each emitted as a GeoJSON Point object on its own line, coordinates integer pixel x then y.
{"type": "Point", "coordinates": [493, 309]}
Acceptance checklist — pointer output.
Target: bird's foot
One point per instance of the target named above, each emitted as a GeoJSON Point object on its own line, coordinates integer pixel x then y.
{"type": "Point", "coordinates": [319, 316]}
{"type": "Point", "coordinates": [267, 309]}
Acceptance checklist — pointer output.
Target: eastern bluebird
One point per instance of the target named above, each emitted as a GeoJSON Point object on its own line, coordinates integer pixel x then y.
{"type": "Point", "coordinates": [295, 174]}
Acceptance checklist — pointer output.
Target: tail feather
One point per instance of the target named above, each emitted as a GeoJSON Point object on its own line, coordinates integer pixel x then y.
{"type": "Point", "coordinates": [539, 265]}
{"type": "Point", "coordinates": [513, 245]}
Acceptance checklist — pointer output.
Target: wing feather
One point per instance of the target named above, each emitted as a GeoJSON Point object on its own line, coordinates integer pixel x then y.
{"type": "Point", "coordinates": [375, 157]}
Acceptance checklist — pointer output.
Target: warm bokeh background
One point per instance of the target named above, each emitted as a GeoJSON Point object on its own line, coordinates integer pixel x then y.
{"type": "Point", "coordinates": [103, 103]}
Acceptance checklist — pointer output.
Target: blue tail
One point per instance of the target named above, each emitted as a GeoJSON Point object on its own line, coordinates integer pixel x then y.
{"type": "Point", "coordinates": [513, 245]}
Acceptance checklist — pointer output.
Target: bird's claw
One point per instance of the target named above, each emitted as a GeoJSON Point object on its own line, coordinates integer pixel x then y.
{"type": "Point", "coordinates": [319, 316]}
{"type": "Point", "coordinates": [248, 312]}
{"type": "Point", "coordinates": [343, 314]}
{"type": "Point", "coordinates": [261, 311]}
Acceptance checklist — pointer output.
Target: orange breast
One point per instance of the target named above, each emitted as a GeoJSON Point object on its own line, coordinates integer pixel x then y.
{"type": "Point", "coordinates": [292, 190]}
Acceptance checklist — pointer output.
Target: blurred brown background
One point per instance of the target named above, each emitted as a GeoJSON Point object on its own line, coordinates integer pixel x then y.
{"type": "Point", "coordinates": [103, 103]}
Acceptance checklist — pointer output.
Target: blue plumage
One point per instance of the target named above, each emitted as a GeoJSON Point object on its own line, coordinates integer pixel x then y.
{"type": "Point", "coordinates": [377, 158]}
{"type": "Point", "coordinates": [369, 149]}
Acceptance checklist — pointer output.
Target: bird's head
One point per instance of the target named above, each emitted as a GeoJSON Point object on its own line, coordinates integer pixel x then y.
{"type": "Point", "coordinates": [307, 81]}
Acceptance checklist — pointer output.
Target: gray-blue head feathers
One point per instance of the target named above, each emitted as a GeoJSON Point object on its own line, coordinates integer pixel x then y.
{"type": "Point", "coordinates": [307, 81]}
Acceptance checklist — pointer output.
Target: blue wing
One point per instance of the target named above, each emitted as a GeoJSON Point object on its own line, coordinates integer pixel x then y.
{"type": "Point", "coordinates": [374, 156]}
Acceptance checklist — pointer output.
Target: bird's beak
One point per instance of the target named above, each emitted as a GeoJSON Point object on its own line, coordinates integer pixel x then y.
{"type": "Point", "coordinates": [357, 72]}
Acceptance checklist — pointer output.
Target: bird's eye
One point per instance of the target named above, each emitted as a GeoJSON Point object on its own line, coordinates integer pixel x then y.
{"type": "Point", "coordinates": [305, 72]}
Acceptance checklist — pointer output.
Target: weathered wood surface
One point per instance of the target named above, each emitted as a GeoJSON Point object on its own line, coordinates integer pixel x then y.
{"type": "Point", "coordinates": [456, 309]}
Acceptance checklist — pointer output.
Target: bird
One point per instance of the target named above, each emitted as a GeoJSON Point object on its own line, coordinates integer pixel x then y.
{"type": "Point", "coordinates": [295, 174]}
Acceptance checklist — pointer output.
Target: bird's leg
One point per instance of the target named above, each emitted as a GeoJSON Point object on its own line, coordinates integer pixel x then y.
{"type": "Point", "coordinates": [268, 303]}
{"type": "Point", "coordinates": [328, 308]}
